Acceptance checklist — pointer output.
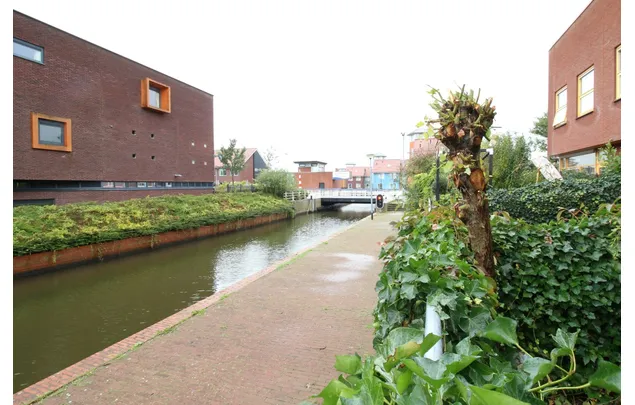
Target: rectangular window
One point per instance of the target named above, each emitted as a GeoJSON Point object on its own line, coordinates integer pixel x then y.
{"type": "Point", "coordinates": [585, 91]}
{"type": "Point", "coordinates": [150, 184]}
{"type": "Point", "coordinates": [586, 162]}
{"type": "Point", "coordinates": [618, 73]}
{"type": "Point", "coordinates": [350, 185]}
{"type": "Point", "coordinates": [50, 133]}
{"type": "Point", "coordinates": [25, 50]}
{"type": "Point", "coordinates": [141, 184]}
{"type": "Point", "coordinates": [132, 184]}
{"type": "Point", "coordinates": [222, 172]}
{"type": "Point", "coordinates": [155, 96]}
{"type": "Point", "coordinates": [358, 185]}
{"type": "Point", "coordinates": [168, 184]}
{"type": "Point", "coordinates": [358, 178]}
{"type": "Point", "coordinates": [560, 116]}
{"type": "Point", "coordinates": [107, 184]}
{"type": "Point", "coordinates": [120, 184]}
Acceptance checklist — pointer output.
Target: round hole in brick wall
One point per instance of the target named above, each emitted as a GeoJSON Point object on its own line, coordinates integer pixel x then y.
{"type": "Point", "coordinates": [134, 155]}
{"type": "Point", "coordinates": [193, 161]}
{"type": "Point", "coordinates": [134, 132]}
{"type": "Point", "coordinates": [153, 157]}
{"type": "Point", "coordinates": [152, 136]}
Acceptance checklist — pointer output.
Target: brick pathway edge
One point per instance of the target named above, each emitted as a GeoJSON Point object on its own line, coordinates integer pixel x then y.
{"type": "Point", "coordinates": [87, 366]}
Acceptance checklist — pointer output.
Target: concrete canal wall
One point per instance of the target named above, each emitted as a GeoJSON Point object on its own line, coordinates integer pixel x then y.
{"type": "Point", "coordinates": [306, 206]}
{"type": "Point", "coordinates": [88, 253]}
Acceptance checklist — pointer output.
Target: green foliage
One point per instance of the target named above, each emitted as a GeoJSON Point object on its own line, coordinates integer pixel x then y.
{"type": "Point", "coordinates": [428, 261]}
{"type": "Point", "coordinates": [612, 160]}
{"type": "Point", "coordinates": [56, 227]}
{"type": "Point", "coordinates": [562, 275]}
{"type": "Point", "coordinates": [543, 201]}
{"type": "Point", "coordinates": [232, 158]}
{"type": "Point", "coordinates": [512, 165]}
{"type": "Point", "coordinates": [275, 182]}
{"type": "Point", "coordinates": [540, 128]}
{"type": "Point", "coordinates": [421, 170]}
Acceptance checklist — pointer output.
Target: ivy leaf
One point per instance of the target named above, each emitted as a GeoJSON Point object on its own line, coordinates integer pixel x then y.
{"type": "Point", "coordinates": [466, 348]}
{"type": "Point", "coordinates": [428, 342]}
{"type": "Point", "coordinates": [433, 372]}
{"type": "Point", "coordinates": [403, 381]}
{"type": "Point", "coordinates": [537, 368]}
{"type": "Point", "coordinates": [502, 330]}
{"type": "Point", "coordinates": [456, 362]}
{"type": "Point", "coordinates": [476, 322]}
{"type": "Point", "coordinates": [349, 364]}
{"type": "Point", "coordinates": [331, 393]}
{"type": "Point", "coordinates": [397, 337]}
{"type": "Point", "coordinates": [565, 340]}
{"type": "Point", "coordinates": [607, 376]}
{"type": "Point", "coordinates": [487, 397]}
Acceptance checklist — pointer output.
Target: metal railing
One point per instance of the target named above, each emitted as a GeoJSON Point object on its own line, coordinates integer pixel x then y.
{"type": "Point", "coordinates": [352, 193]}
{"type": "Point", "coordinates": [296, 195]}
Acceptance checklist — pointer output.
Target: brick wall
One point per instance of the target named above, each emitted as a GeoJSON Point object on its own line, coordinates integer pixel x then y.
{"type": "Point", "coordinates": [247, 174]}
{"type": "Point", "coordinates": [100, 92]}
{"type": "Point", "coordinates": [313, 180]}
{"type": "Point", "coordinates": [590, 40]}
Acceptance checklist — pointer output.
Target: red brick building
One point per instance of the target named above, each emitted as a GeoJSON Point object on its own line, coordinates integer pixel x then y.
{"type": "Point", "coordinates": [254, 163]}
{"type": "Point", "coordinates": [359, 177]}
{"type": "Point", "coordinates": [424, 147]}
{"type": "Point", "coordinates": [585, 87]}
{"type": "Point", "coordinates": [91, 125]}
{"type": "Point", "coordinates": [312, 174]}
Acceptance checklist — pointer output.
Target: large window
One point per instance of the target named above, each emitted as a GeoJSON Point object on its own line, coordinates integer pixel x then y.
{"type": "Point", "coordinates": [222, 172]}
{"type": "Point", "coordinates": [155, 96]}
{"type": "Point", "coordinates": [560, 116]}
{"type": "Point", "coordinates": [585, 162]}
{"type": "Point", "coordinates": [618, 73]}
{"type": "Point", "coordinates": [50, 133]}
{"type": "Point", "coordinates": [25, 50]}
{"type": "Point", "coordinates": [585, 91]}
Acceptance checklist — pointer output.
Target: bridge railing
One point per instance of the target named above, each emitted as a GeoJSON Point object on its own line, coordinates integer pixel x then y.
{"type": "Point", "coordinates": [296, 195]}
{"type": "Point", "coordinates": [349, 193]}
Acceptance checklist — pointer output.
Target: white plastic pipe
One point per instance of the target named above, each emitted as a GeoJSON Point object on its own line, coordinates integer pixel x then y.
{"type": "Point", "coordinates": [433, 325]}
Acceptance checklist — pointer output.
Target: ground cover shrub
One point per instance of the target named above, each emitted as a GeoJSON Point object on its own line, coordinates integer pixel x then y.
{"type": "Point", "coordinates": [484, 361]}
{"type": "Point", "coordinates": [564, 274]}
{"type": "Point", "coordinates": [543, 201]}
{"type": "Point", "coordinates": [52, 227]}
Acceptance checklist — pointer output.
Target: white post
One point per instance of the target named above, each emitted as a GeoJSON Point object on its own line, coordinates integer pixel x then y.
{"type": "Point", "coordinates": [433, 325]}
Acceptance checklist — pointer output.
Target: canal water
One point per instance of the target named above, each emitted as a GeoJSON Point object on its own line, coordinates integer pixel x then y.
{"type": "Point", "coordinates": [62, 317]}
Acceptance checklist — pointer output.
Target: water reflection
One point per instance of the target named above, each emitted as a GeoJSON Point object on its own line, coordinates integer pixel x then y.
{"type": "Point", "coordinates": [62, 317]}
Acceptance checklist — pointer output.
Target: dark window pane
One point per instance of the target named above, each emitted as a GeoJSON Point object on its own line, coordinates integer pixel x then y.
{"type": "Point", "coordinates": [88, 184]}
{"type": "Point", "coordinates": [154, 96]}
{"type": "Point", "coordinates": [51, 132]}
{"type": "Point", "coordinates": [131, 184]}
{"type": "Point", "coordinates": [27, 51]}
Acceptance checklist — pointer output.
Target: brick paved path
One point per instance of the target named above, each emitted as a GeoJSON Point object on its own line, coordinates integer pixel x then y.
{"type": "Point", "coordinates": [272, 342]}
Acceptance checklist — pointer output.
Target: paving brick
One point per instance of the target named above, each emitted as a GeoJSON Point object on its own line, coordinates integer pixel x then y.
{"type": "Point", "coordinates": [273, 341]}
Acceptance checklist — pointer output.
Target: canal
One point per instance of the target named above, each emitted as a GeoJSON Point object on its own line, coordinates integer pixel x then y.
{"type": "Point", "coordinates": [62, 317]}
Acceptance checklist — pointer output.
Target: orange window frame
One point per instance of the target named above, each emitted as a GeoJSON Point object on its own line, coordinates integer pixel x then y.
{"type": "Point", "coordinates": [35, 133]}
{"type": "Point", "coordinates": [164, 91]}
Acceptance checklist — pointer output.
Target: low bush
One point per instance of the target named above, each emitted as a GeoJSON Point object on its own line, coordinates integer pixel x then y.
{"type": "Point", "coordinates": [562, 275]}
{"type": "Point", "coordinates": [53, 227]}
{"type": "Point", "coordinates": [276, 182]}
{"type": "Point", "coordinates": [484, 361]}
{"type": "Point", "coordinates": [543, 201]}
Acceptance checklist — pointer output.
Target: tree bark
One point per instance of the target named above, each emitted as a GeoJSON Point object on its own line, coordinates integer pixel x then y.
{"type": "Point", "coordinates": [463, 125]}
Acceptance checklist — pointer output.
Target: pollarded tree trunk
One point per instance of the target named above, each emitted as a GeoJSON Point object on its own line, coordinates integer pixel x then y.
{"type": "Point", "coordinates": [463, 124]}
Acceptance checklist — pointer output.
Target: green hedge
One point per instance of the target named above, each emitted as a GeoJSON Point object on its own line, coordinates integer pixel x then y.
{"type": "Point", "coordinates": [48, 228]}
{"type": "Point", "coordinates": [542, 202]}
{"type": "Point", "coordinates": [562, 275]}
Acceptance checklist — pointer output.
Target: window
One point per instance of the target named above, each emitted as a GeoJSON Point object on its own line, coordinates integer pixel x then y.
{"type": "Point", "coordinates": [586, 162]}
{"type": "Point", "coordinates": [358, 178]}
{"type": "Point", "coordinates": [168, 184]}
{"type": "Point", "coordinates": [120, 184]}
{"type": "Point", "coordinates": [358, 185]}
{"type": "Point", "coordinates": [618, 73]}
{"type": "Point", "coordinates": [222, 172]}
{"type": "Point", "coordinates": [585, 91]}
{"type": "Point", "coordinates": [560, 116]}
{"type": "Point", "coordinates": [107, 184]}
{"type": "Point", "coordinates": [141, 184]}
{"type": "Point", "coordinates": [155, 96]}
{"type": "Point", "coordinates": [25, 50]}
{"type": "Point", "coordinates": [50, 133]}
{"type": "Point", "coordinates": [350, 185]}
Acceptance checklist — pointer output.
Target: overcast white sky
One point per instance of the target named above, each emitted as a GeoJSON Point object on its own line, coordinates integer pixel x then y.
{"type": "Point", "coordinates": [331, 80]}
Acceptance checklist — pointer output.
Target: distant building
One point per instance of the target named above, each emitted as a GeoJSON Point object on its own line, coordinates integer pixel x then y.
{"type": "Point", "coordinates": [254, 164]}
{"type": "Point", "coordinates": [424, 147]}
{"type": "Point", "coordinates": [386, 174]}
{"type": "Point", "coordinates": [91, 125]}
{"type": "Point", "coordinates": [359, 177]}
{"type": "Point", "coordinates": [585, 74]}
{"type": "Point", "coordinates": [312, 174]}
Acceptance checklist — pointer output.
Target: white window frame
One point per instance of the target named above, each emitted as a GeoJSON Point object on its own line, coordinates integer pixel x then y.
{"type": "Point", "coordinates": [618, 73]}
{"type": "Point", "coordinates": [560, 111]}
{"type": "Point", "coordinates": [222, 172]}
{"type": "Point", "coordinates": [32, 47]}
{"type": "Point", "coordinates": [588, 93]}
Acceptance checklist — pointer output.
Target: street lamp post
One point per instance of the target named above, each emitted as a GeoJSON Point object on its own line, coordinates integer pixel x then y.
{"type": "Point", "coordinates": [370, 183]}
